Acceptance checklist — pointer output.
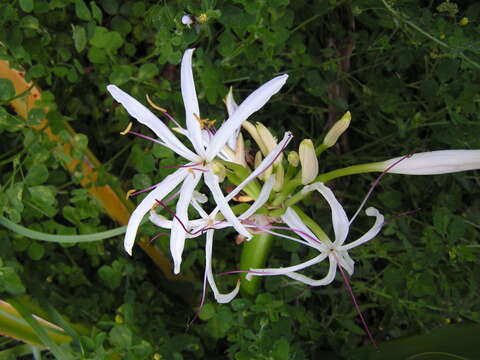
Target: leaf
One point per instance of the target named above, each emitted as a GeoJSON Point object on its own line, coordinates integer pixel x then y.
{"type": "Point", "coordinates": [26, 5]}
{"type": "Point", "coordinates": [7, 90]}
{"type": "Point", "coordinates": [82, 11]}
{"type": "Point", "coordinates": [37, 175]}
{"type": "Point", "coordinates": [147, 71]}
{"type": "Point", "coordinates": [35, 251]}
{"type": "Point", "coordinates": [104, 39]}
{"type": "Point", "coordinates": [79, 38]}
{"type": "Point", "coordinates": [208, 311]}
{"type": "Point", "coordinates": [35, 116]}
{"type": "Point", "coordinates": [120, 336]}
{"type": "Point", "coordinates": [96, 12]}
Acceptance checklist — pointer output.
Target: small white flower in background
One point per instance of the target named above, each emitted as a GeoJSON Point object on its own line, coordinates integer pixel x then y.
{"type": "Point", "coordinates": [187, 20]}
{"type": "Point", "coordinates": [336, 251]}
{"type": "Point", "coordinates": [207, 146]}
{"type": "Point", "coordinates": [432, 163]}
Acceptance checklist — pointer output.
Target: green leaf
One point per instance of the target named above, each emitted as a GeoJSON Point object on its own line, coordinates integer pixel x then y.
{"type": "Point", "coordinates": [281, 349]}
{"type": "Point", "coordinates": [120, 336]}
{"type": "Point", "coordinates": [147, 71]}
{"type": "Point", "coordinates": [120, 74]}
{"type": "Point", "coordinates": [35, 251]}
{"type": "Point", "coordinates": [162, 152]}
{"type": "Point", "coordinates": [141, 181]}
{"type": "Point", "coordinates": [26, 5]}
{"type": "Point", "coordinates": [37, 174]}
{"type": "Point", "coordinates": [96, 12]}
{"type": "Point", "coordinates": [79, 38]}
{"type": "Point", "coordinates": [7, 90]}
{"type": "Point", "coordinates": [105, 39]}
{"type": "Point", "coordinates": [97, 55]}
{"type": "Point", "coordinates": [35, 116]}
{"type": "Point", "coordinates": [82, 11]}
{"type": "Point", "coordinates": [208, 311]}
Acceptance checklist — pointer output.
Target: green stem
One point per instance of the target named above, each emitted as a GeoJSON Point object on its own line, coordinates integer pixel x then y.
{"type": "Point", "coordinates": [254, 256]}
{"type": "Point", "coordinates": [66, 239]}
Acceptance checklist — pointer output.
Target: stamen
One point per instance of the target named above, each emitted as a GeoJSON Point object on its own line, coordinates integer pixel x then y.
{"type": "Point", "coordinates": [127, 129]}
{"type": "Point", "coordinates": [173, 214]}
{"type": "Point", "coordinates": [156, 107]}
{"type": "Point", "coordinates": [157, 236]}
{"type": "Point", "coordinates": [355, 303]}
{"type": "Point", "coordinates": [374, 185]}
{"type": "Point", "coordinates": [129, 193]}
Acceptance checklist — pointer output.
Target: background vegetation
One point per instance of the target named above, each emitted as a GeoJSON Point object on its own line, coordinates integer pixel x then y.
{"type": "Point", "coordinates": [408, 71]}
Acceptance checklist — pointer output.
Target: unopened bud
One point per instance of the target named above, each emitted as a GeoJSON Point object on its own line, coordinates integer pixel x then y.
{"type": "Point", "coordinates": [267, 138]}
{"type": "Point", "coordinates": [267, 173]}
{"type": "Point", "coordinates": [219, 170]}
{"type": "Point", "coordinates": [202, 18]}
{"type": "Point", "coordinates": [252, 130]}
{"type": "Point", "coordinates": [308, 160]}
{"type": "Point", "coordinates": [240, 151]}
{"type": "Point", "coordinates": [337, 130]}
{"type": "Point", "coordinates": [293, 158]}
{"type": "Point", "coordinates": [230, 102]}
{"type": "Point", "coordinates": [279, 177]}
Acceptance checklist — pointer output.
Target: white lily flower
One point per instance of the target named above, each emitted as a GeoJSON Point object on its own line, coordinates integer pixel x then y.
{"type": "Point", "coordinates": [200, 161]}
{"type": "Point", "coordinates": [208, 223]}
{"type": "Point", "coordinates": [432, 162]}
{"type": "Point", "coordinates": [336, 251]}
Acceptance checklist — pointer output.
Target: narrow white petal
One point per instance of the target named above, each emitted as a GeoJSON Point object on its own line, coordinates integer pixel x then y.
{"type": "Point", "coordinates": [167, 185]}
{"type": "Point", "coordinates": [211, 180]}
{"type": "Point", "coordinates": [178, 233]}
{"type": "Point", "coordinates": [340, 221]}
{"type": "Point", "coordinates": [292, 219]}
{"type": "Point", "coordinates": [190, 102]}
{"type": "Point", "coordinates": [370, 234]}
{"type": "Point", "coordinates": [252, 103]}
{"type": "Point", "coordinates": [221, 298]}
{"type": "Point", "coordinates": [345, 261]}
{"type": "Point", "coordinates": [286, 270]}
{"type": "Point", "coordinates": [261, 200]}
{"type": "Point", "coordinates": [435, 162]}
{"type": "Point", "coordinates": [266, 163]}
{"type": "Point", "coordinates": [146, 117]}
{"type": "Point", "coordinates": [325, 281]}
{"type": "Point", "coordinates": [231, 108]}
{"type": "Point", "coordinates": [159, 220]}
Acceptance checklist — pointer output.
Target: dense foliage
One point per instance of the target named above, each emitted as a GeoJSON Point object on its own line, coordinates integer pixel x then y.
{"type": "Point", "coordinates": [407, 70]}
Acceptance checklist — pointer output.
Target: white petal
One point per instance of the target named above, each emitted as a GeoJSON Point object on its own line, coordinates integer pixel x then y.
{"type": "Point", "coordinates": [251, 104]}
{"type": "Point", "coordinates": [231, 108]}
{"type": "Point", "coordinates": [435, 162]}
{"type": "Point", "coordinates": [370, 234]}
{"type": "Point", "coordinates": [345, 261]}
{"type": "Point", "coordinates": [325, 281]}
{"type": "Point", "coordinates": [261, 200]}
{"type": "Point", "coordinates": [211, 180]}
{"type": "Point", "coordinates": [190, 102]}
{"type": "Point", "coordinates": [286, 270]}
{"type": "Point", "coordinates": [166, 186]}
{"type": "Point", "coordinates": [266, 163]}
{"type": "Point", "coordinates": [146, 117]}
{"type": "Point", "coordinates": [292, 219]}
{"type": "Point", "coordinates": [177, 235]}
{"type": "Point", "coordinates": [221, 298]}
{"type": "Point", "coordinates": [159, 220]}
{"type": "Point", "coordinates": [340, 221]}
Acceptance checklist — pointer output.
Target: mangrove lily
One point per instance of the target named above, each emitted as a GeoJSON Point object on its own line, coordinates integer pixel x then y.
{"type": "Point", "coordinates": [336, 251]}
{"type": "Point", "coordinates": [308, 161]}
{"type": "Point", "coordinates": [432, 162]}
{"type": "Point", "coordinates": [207, 146]}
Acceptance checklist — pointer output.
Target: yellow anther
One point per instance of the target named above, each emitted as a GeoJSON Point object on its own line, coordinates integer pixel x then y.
{"type": "Point", "coordinates": [129, 193]}
{"type": "Point", "coordinates": [204, 123]}
{"type": "Point", "coordinates": [155, 106]}
{"type": "Point", "coordinates": [202, 18]}
{"type": "Point", "coordinates": [127, 129]}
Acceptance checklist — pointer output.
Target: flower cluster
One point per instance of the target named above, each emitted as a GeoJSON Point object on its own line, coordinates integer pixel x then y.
{"type": "Point", "coordinates": [215, 154]}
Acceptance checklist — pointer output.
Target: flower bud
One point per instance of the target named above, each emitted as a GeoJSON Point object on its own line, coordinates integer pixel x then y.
{"type": "Point", "coordinates": [252, 130]}
{"type": "Point", "coordinates": [269, 140]}
{"type": "Point", "coordinates": [230, 102]}
{"type": "Point", "coordinates": [337, 130]}
{"type": "Point", "coordinates": [293, 158]}
{"type": "Point", "coordinates": [279, 177]}
{"type": "Point", "coordinates": [267, 173]}
{"type": "Point", "coordinates": [219, 170]}
{"type": "Point", "coordinates": [308, 160]}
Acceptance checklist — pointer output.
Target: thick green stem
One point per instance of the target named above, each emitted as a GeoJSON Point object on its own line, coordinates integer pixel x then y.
{"type": "Point", "coordinates": [254, 255]}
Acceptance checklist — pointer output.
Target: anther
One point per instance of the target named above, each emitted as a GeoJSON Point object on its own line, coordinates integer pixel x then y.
{"type": "Point", "coordinates": [127, 129]}
{"type": "Point", "coordinates": [130, 192]}
{"type": "Point", "coordinates": [155, 106]}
